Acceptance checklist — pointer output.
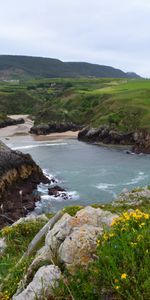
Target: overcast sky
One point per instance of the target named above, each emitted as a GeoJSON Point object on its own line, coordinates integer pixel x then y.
{"type": "Point", "coordinates": [108, 32]}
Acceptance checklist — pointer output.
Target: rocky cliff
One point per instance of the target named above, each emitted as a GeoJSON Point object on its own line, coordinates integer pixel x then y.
{"type": "Point", "coordinates": [140, 140]}
{"type": "Point", "coordinates": [19, 177]}
{"type": "Point", "coordinates": [44, 129]}
{"type": "Point", "coordinates": [10, 122]}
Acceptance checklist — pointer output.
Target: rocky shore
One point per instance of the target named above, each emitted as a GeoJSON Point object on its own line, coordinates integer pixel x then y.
{"type": "Point", "coordinates": [45, 129]}
{"type": "Point", "coordinates": [19, 177]}
{"type": "Point", "coordinates": [11, 122]}
{"type": "Point", "coordinates": [140, 141]}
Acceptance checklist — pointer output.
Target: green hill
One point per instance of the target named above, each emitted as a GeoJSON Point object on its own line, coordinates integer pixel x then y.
{"type": "Point", "coordinates": [25, 67]}
{"type": "Point", "coordinates": [123, 104]}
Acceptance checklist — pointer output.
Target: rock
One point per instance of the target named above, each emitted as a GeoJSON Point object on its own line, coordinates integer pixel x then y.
{"type": "Point", "coordinates": [54, 191]}
{"type": "Point", "coordinates": [95, 216]}
{"type": "Point", "coordinates": [10, 122]}
{"type": "Point", "coordinates": [69, 232]}
{"type": "Point", "coordinates": [31, 217]}
{"type": "Point", "coordinates": [19, 177]}
{"type": "Point", "coordinates": [42, 285]}
{"type": "Point", "coordinates": [79, 247]}
{"type": "Point", "coordinates": [58, 233]}
{"type": "Point", "coordinates": [133, 198]}
{"type": "Point", "coordinates": [3, 246]}
{"type": "Point", "coordinates": [43, 257]}
{"type": "Point", "coordinates": [54, 127]}
{"type": "Point", "coordinates": [105, 135]}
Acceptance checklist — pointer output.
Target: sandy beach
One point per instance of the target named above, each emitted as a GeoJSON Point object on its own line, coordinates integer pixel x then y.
{"type": "Point", "coordinates": [23, 129]}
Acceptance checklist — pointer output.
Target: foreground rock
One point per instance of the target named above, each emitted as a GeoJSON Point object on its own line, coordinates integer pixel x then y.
{"type": "Point", "coordinates": [53, 127]}
{"type": "Point", "coordinates": [133, 198]}
{"type": "Point", "coordinates": [19, 177]}
{"type": "Point", "coordinates": [140, 141]}
{"type": "Point", "coordinates": [10, 122]}
{"type": "Point", "coordinates": [72, 240]}
{"type": "Point", "coordinates": [42, 285]}
{"type": "Point", "coordinates": [71, 243]}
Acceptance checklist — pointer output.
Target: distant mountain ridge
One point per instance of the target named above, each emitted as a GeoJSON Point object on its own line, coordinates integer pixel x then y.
{"type": "Point", "coordinates": [25, 67]}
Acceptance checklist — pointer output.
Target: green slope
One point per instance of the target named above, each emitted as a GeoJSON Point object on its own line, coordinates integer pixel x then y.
{"type": "Point", "coordinates": [123, 104]}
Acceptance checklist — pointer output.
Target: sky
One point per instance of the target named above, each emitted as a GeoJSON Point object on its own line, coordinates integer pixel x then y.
{"type": "Point", "coordinates": [107, 32]}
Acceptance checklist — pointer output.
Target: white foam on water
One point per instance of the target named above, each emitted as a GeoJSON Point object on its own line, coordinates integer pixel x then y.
{"type": "Point", "coordinates": [105, 186]}
{"type": "Point", "coordinates": [45, 204]}
{"type": "Point", "coordinates": [39, 145]}
{"type": "Point", "coordinates": [140, 177]}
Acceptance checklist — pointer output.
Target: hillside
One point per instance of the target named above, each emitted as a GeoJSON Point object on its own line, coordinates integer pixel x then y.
{"type": "Point", "coordinates": [25, 67]}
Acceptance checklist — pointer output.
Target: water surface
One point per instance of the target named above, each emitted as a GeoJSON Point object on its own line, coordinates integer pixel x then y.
{"type": "Point", "coordinates": [90, 173]}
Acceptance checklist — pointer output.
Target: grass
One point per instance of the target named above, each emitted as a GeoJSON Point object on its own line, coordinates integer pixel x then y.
{"type": "Point", "coordinates": [17, 239]}
{"type": "Point", "coordinates": [123, 104]}
{"type": "Point", "coordinates": [121, 268]}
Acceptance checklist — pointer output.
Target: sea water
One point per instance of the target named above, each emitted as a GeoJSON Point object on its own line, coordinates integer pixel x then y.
{"type": "Point", "coordinates": [89, 173]}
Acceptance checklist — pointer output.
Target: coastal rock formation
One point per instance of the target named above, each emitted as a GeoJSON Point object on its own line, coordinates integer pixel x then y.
{"type": "Point", "coordinates": [133, 198]}
{"type": "Point", "coordinates": [19, 177]}
{"type": "Point", "coordinates": [105, 135]}
{"type": "Point", "coordinates": [53, 127]}
{"type": "Point", "coordinates": [55, 190]}
{"type": "Point", "coordinates": [140, 141]}
{"type": "Point", "coordinates": [10, 122]}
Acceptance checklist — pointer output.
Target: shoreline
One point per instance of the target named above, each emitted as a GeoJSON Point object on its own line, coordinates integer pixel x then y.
{"type": "Point", "coordinates": [23, 130]}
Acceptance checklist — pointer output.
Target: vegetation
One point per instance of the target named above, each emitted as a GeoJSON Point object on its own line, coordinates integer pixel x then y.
{"type": "Point", "coordinates": [121, 269]}
{"type": "Point", "coordinates": [25, 67]}
{"type": "Point", "coordinates": [123, 104]}
{"type": "Point", "coordinates": [17, 238]}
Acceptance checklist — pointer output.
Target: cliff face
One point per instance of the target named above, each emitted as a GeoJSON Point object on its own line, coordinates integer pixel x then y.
{"type": "Point", "coordinates": [139, 140]}
{"type": "Point", "coordinates": [19, 177]}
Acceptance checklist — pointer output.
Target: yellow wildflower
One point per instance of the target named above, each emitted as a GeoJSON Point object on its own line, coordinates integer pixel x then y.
{"type": "Point", "coordinates": [117, 287]}
{"type": "Point", "coordinates": [124, 276]}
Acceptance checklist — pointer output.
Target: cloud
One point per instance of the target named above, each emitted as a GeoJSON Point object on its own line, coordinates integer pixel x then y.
{"type": "Point", "coordinates": [110, 32]}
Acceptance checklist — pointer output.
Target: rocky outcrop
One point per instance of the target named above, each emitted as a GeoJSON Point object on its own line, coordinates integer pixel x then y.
{"type": "Point", "coordinates": [19, 177]}
{"type": "Point", "coordinates": [72, 240]}
{"type": "Point", "coordinates": [133, 198]}
{"type": "Point", "coordinates": [105, 135]}
{"type": "Point", "coordinates": [10, 122]}
{"type": "Point", "coordinates": [43, 284]}
{"type": "Point", "coordinates": [53, 127]}
{"type": "Point", "coordinates": [70, 243]}
{"type": "Point", "coordinates": [55, 190]}
{"type": "Point", "coordinates": [140, 141]}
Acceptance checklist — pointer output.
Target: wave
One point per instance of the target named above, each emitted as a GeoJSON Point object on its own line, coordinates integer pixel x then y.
{"type": "Point", "coordinates": [45, 204]}
{"type": "Point", "coordinates": [39, 145]}
{"type": "Point", "coordinates": [140, 177]}
{"type": "Point", "coordinates": [105, 186]}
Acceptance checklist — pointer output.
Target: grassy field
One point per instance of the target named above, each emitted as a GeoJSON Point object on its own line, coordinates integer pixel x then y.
{"type": "Point", "coordinates": [123, 104]}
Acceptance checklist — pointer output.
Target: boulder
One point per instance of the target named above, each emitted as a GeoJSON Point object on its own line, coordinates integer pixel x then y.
{"type": "Point", "coordinates": [79, 247]}
{"type": "Point", "coordinates": [54, 191]}
{"type": "Point", "coordinates": [95, 216]}
{"type": "Point", "coordinates": [42, 285]}
{"type": "Point", "coordinates": [71, 236]}
{"type": "Point", "coordinates": [58, 233]}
